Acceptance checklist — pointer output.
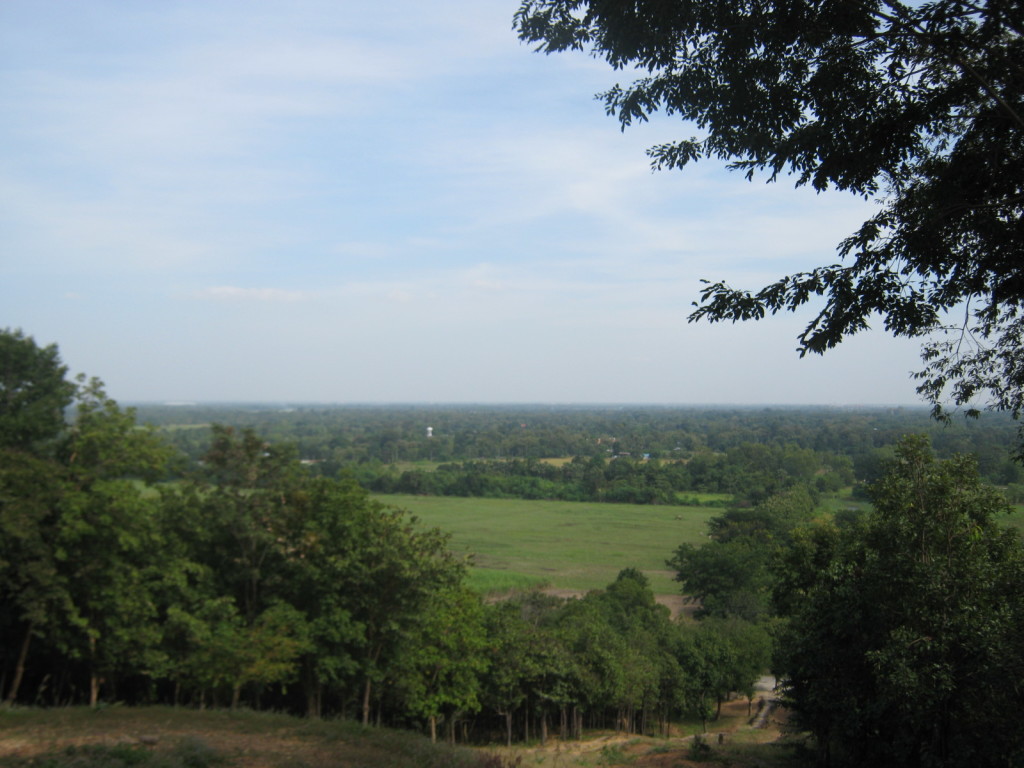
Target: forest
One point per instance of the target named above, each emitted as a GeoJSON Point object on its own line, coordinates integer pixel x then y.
{"type": "Point", "coordinates": [662, 454]}
{"type": "Point", "coordinates": [156, 555]}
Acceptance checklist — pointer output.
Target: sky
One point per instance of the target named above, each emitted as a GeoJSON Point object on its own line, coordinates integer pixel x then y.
{"type": "Point", "coordinates": [350, 201]}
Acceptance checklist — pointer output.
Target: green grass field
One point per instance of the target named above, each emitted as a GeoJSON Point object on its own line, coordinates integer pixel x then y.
{"type": "Point", "coordinates": [519, 544]}
{"type": "Point", "coordinates": [564, 545]}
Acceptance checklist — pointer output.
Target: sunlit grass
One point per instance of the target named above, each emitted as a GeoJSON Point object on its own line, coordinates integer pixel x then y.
{"type": "Point", "coordinates": [569, 545]}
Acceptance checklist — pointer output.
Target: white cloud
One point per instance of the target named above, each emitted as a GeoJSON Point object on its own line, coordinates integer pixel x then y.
{"type": "Point", "coordinates": [235, 293]}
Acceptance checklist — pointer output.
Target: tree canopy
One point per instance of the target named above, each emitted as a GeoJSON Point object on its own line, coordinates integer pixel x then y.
{"type": "Point", "coordinates": [903, 644]}
{"type": "Point", "coordinates": [33, 392]}
{"type": "Point", "coordinates": [919, 105]}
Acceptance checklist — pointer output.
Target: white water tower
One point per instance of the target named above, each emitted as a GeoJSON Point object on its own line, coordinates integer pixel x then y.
{"type": "Point", "coordinates": [430, 431]}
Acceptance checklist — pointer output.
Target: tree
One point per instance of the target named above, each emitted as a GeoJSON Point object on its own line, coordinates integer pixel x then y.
{"type": "Point", "coordinates": [441, 662]}
{"type": "Point", "coordinates": [78, 550]}
{"type": "Point", "coordinates": [920, 105]}
{"type": "Point", "coordinates": [398, 567]}
{"type": "Point", "coordinates": [731, 574]}
{"type": "Point", "coordinates": [511, 663]}
{"type": "Point", "coordinates": [107, 543]}
{"type": "Point", "coordinates": [904, 646]}
{"type": "Point", "coordinates": [33, 397]}
{"type": "Point", "coordinates": [33, 392]}
{"type": "Point", "coordinates": [34, 596]}
{"type": "Point", "coordinates": [719, 657]}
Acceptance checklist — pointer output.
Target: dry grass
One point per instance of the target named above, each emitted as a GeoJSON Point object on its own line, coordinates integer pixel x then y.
{"type": "Point", "coordinates": [241, 739]}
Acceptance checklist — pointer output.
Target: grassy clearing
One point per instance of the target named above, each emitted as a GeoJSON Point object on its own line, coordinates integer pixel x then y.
{"type": "Point", "coordinates": [566, 545]}
{"type": "Point", "coordinates": [412, 466]}
{"type": "Point", "coordinates": [1016, 517]}
{"type": "Point", "coordinates": [839, 502]}
{"type": "Point", "coordinates": [163, 737]}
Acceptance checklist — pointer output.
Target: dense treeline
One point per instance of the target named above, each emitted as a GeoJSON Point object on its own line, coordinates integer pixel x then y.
{"type": "Point", "coordinates": [749, 472]}
{"type": "Point", "coordinates": [370, 441]}
{"type": "Point", "coordinates": [899, 630]}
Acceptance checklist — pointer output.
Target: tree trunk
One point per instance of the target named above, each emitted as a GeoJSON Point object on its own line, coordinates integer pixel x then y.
{"type": "Point", "coordinates": [19, 669]}
{"type": "Point", "coordinates": [372, 659]}
{"type": "Point", "coordinates": [366, 702]}
{"type": "Point", "coordinates": [94, 680]}
{"type": "Point", "coordinates": [313, 690]}
{"type": "Point", "coordinates": [236, 695]}
{"type": "Point", "coordinates": [433, 729]}
{"type": "Point", "coordinates": [508, 728]}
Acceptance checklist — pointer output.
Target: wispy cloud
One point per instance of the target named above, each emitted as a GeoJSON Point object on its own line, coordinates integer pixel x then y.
{"type": "Point", "coordinates": [235, 293]}
{"type": "Point", "coordinates": [369, 201]}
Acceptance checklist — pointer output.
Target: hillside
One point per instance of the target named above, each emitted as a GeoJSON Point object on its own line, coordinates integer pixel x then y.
{"type": "Point", "coordinates": [162, 737]}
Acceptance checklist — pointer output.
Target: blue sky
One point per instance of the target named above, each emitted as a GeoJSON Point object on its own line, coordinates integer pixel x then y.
{"type": "Point", "coordinates": [355, 201]}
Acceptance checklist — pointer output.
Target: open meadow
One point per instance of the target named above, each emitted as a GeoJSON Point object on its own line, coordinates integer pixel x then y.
{"type": "Point", "coordinates": [563, 545]}
{"type": "Point", "coordinates": [519, 543]}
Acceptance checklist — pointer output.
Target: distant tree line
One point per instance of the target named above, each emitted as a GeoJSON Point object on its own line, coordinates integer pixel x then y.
{"type": "Point", "coordinates": [376, 441]}
{"type": "Point", "coordinates": [749, 472]}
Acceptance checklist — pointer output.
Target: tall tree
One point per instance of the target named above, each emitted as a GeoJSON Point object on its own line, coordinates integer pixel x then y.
{"type": "Point", "coordinates": [34, 392]}
{"type": "Point", "coordinates": [919, 105]}
{"type": "Point", "coordinates": [731, 574]}
{"type": "Point", "coordinates": [107, 539]}
{"type": "Point", "coordinates": [34, 597]}
{"type": "Point", "coordinates": [906, 648]}
{"type": "Point", "coordinates": [441, 663]}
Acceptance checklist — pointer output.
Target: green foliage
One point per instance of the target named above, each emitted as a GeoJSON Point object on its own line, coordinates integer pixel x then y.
{"type": "Point", "coordinates": [717, 657]}
{"type": "Point", "coordinates": [439, 664]}
{"type": "Point", "coordinates": [732, 575]}
{"type": "Point", "coordinates": [749, 472]}
{"type": "Point", "coordinates": [33, 392]}
{"type": "Point", "coordinates": [611, 755]}
{"type": "Point", "coordinates": [332, 438]}
{"type": "Point", "coordinates": [903, 646]}
{"type": "Point", "coordinates": [920, 105]}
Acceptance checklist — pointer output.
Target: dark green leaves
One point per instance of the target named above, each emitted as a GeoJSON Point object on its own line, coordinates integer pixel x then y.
{"type": "Point", "coordinates": [33, 392]}
{"type": "Point", "coordinates": [903, 646]}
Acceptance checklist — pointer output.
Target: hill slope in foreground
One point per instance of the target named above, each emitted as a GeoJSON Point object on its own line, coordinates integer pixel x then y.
{"type": "Point", "coordinates": [161, 737]}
